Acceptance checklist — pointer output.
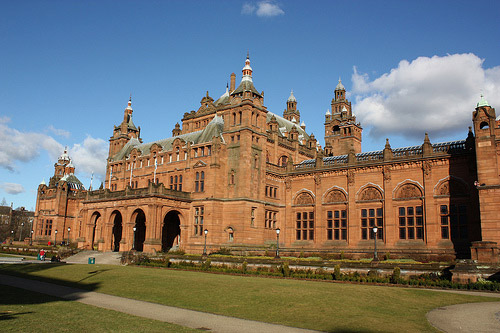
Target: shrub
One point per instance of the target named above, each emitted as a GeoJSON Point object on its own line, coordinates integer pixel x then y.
{"type": "Point", "coordinates": [285, 269]}
{"type": "Point", "coordinates": [387, 256]}
{"type": "Point", "coordinates": [244, 267]}
{"type": "Point", "coordinates": [396, 275]}
{"type": "Point", "coordinates": [336, 272]}
{"type": "Point", "coordinates": [223, 251]}
{"type": "Point", "coordinates": [342, 255]}
{"type": "Point", "coordinates": [206, 265]}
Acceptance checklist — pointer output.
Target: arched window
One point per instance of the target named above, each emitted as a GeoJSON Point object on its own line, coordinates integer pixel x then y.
{"type": "Point", "coordinates": [283, 160]}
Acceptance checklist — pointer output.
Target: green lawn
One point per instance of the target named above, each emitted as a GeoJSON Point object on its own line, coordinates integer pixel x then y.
{"type": "Point", "coordinates": [25, 311]}
{"type": "Point", "coordinates": [309, 304]}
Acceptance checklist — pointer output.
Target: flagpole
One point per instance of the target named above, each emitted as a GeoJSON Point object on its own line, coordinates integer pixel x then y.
{"type": "Point", "coordinates": [91, 177]}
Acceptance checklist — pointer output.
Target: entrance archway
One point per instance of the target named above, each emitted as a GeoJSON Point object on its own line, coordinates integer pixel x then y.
{"type": "Point", "coordinates": [140, 231]}
{"type": "Point", "coordinates": [117, 231]}
{"type": "Point", "coordinates": [94, 220]}
{"type": "Point", "coordinates": [171, 231]}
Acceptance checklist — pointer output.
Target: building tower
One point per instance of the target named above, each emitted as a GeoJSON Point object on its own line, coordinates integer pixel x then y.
{"type": "Point", "coordinates": [124, 132]}
{"type": "Point", "coordinates": [487, 148]}
{"type": "Point", "coordinates": [342, 133]}
{"type": "Point", "coordinates": [291, 111]}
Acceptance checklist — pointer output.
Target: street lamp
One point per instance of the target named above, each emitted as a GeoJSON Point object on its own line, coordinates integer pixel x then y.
{"type": "Point", "coordinates": [31, 238]}
{"type": "Point", "coordinates": [21, 232]}
{"type": "Point", "coordinates": [55, 239]}
{"type": "Point", "coordinates": [205, 247]}
{"type": "Point", "coordinates": [375, 257]}
{"type": "Point", "coordinates": [11, 236]}
{"type": "Point", "coordinates": [278, 243]}
{"type": "Point", "coordinates": [133, 244]}
{"type": "Point", "coordinates": [69, 230]}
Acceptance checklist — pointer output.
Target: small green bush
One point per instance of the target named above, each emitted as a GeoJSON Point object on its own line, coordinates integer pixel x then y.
{"type": "Point", "coordinates": [396, 275]}
{"type": "Point", "coordinates": [285, 269]}
{"type": "Point", "coordinates": [336, 272]}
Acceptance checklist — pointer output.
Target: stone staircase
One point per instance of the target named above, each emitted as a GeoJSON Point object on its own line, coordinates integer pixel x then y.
{"type": "Point", "coordinates": [104, 258]}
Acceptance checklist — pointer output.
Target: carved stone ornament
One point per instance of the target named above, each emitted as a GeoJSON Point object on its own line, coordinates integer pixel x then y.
{"type": "Point", "coordinates": [317, 179]}
{"type": "Point", "coordinates": [370, 193]}
{"type": "Point", "coordinates": [444, 189]}
{"type": "Point", "coordinates": [335, 196]}
{"type": "Point", "coordinates": [452, 187]}
{"type": "Point", "coordinates": [350, 177]}
{"type": "Point", "coordinates": [387, 173]}
{"type": "Point", "coordinates": [304, 199]}
{"type": "Point", "coordinates": [288, 184]}
{"type": "Point", "coordinates": [426, 166]}
{"type": "Point", "coordinates": [409, 191]}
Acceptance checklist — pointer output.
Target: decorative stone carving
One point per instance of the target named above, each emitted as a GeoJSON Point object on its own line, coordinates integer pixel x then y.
{"type": "Point", "coordinates": [370, 193]}
{"type": "Point", "coordinates": [452, 187]}
{"type": "Point", "coordinates": [387, 173]}
{"type": "Point", "coordinates": [350, 177]}
{"type": "Point", "coordinates": [426, 167]}
{"type": "Point", "coordinates": [335, 196]}
{"type": "Point", "coordinates": [408, 191]}
{"type": "Point", "coordinates": [304, 199]}
{"type": "Point", "coordinates": [317, 179]}
{"type": "Point", "coordinates": [288, 184]}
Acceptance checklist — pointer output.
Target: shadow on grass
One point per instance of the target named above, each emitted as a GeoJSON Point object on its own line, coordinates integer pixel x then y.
{"type": "Point", "coordinates": [48, 289]}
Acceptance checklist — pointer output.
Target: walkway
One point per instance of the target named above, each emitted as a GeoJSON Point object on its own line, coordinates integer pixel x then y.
{"type": "Point", "coordinates": [468, 317]}
{"type": "Point", "coordinates": [101, 258]}
{"type": "Point", "coordinates": [183, 317]}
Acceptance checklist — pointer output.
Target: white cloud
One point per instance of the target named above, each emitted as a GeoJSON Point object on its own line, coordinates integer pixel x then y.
{"type": "Point", "coordinates": [20, 146]}
{"type": "Point", "coordinates": [265, 8]}
{"type": "Point", "coordinates": [435, 95]}
{"type": "Point", "coordinates": [12, 188]}
{"type": "Point", "coordinates": [59, 132]}
{"type": "Point", "coordinates": [90, 156]}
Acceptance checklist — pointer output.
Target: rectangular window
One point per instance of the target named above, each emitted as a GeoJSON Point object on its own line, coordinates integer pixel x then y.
{"type": "Point", "coordinates": [252, 216]}
{"type": "Point", "coordinates": [271, 218]}
{"type": "Point", "coordinates": [411, 223]}
{"type": "Point", "coordinates": [370, 218]}
{"type": "Point", "coordinates": [48, 227]}
{"type": "Point", "coordinates": [336, 228]}
{"type": "Point", "coordinates": [304, 226]}
{"type": "Point", "coordinates": [453, 221]}
{"type": "Point", "coordinates": [198, 220]}
{"type": "Point", "coordinates": [176, 183]}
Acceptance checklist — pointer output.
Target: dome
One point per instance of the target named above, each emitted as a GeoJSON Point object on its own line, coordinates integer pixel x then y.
{"type": "Point", "coordinates": [482, 102]}
{"type": "Point", "coordinates": [64, 156]}
{"type": "Point", "coordinates": [291, 98]}
{"type": "Point", "coordinates": [340, 86]}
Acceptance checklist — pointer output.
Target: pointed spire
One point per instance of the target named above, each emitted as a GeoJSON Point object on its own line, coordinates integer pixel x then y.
{"type": "Point", "coordinates": [43, 182]}
{"type": "Point", "coordinates": [292, 97]}
{"type": "Point", "coordinates": [129, 104]}
{"type": "Point", "coordinates": [387, 144]}
{"type": "Point", "coordinates": [426, 139]}
{"type": "Point", "coordinates": [328, 113]}
{"type": "Point", "coordinates": [247, 70]}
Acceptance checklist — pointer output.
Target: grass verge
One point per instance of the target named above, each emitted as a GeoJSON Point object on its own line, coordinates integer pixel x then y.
{"type": "Point", "coordinates": [308, 304]}
{"type": "Point", "coordinates": [25, 311]}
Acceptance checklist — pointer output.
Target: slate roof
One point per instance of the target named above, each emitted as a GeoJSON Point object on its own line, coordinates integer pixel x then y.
{"type": "Point", "coordinates": [214, 128]}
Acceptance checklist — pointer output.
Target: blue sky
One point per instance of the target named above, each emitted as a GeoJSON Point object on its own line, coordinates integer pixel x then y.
{"type": "Point", "coordinates": [68, 67]}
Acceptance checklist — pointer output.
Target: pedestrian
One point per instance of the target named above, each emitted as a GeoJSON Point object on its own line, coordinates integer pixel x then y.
{"type": "Point", "coordinates": [42, 255]}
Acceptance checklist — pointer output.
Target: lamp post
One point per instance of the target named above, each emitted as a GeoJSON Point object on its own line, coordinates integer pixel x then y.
{"type": "Point", "coordinates": [55, 239]}
{"type": "Point", "coordinates": [69, 230]}
{"type": "Point", "coordinates": [21, 232]}
{"type": "Point", "coordinates": [278, 243]}
{"type": "Point", "coordinates": [31, 238]}
{"type": "Point", "coordinates": [375, 257]}
{"type": "Point", "coordinates": [11, 236]}
{"type": "Point", "coordinates": [133, 244]}
{"type": "Point", "coordinates": [205, 247]}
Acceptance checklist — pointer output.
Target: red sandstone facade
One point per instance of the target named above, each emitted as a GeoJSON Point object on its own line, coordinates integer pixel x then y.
{"type": "Point", "coordinates": [240, 172]}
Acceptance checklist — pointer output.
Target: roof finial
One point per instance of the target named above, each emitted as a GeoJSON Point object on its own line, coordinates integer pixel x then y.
{"type": "Point", "coordinates": [248, 55]}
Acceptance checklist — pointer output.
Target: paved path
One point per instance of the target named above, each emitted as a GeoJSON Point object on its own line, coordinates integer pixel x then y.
{"type": "Point", "coordinates": [101, 258]}
{"type": "Point", "coordinates": [183, 317]}
{"type": "Point", "coordinates": [468, 317]}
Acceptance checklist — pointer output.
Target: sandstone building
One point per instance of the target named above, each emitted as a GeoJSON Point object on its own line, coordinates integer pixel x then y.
{"type": "Point", "coordinates": [240, 172]}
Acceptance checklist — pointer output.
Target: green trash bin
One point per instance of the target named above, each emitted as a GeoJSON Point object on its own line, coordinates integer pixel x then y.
{"type": "Point", "coordinates": [92, 260]}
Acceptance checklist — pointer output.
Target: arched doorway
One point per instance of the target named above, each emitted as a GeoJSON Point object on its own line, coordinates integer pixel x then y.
{"type": "Point", "coordinates": [94, 220]}
{"type": "Point", "coordinates": [140, 229]}
{"type": "Point", "coordinates": [116, 217]}
{"type": "Point", "coordinates": [171, 231]}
